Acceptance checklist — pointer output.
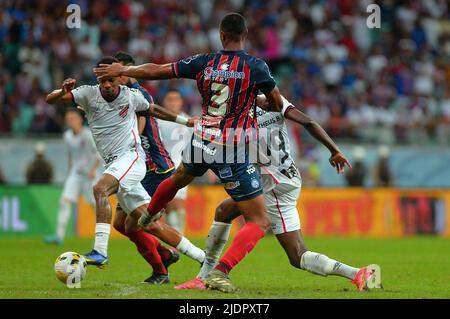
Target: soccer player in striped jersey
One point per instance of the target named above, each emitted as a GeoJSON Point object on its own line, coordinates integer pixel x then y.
{"type": "Point", "coordinates": [228, 82]}
{"type": "Point", "coordinates": [282, 184]}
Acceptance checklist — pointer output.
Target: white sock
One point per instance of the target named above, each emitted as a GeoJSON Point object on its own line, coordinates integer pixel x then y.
{"type": "Point", "coordinates": [190, 250]}
{"type": "Point", "coordinates": [63, 218]}
{"type": "Point", "coordinates": [217, 238]}
{"type": "Point", "coordinates": [322, 265]}
{"type": "Point", "coordinates": [102, 231]}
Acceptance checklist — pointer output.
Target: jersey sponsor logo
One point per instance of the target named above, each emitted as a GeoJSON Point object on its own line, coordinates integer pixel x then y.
{"type": "Point", "coordinates": [250, 169]}
{"type": "Point", "coordinates": [232, 185]}
{"type": "Point", "coordinates": [123, 110]}
{"type": "Point", "coordinates": [110, 159]}
{"type": "Point", "coordinates": [212, 74]}
{"type": "Point", "coordinates": [205, 148]}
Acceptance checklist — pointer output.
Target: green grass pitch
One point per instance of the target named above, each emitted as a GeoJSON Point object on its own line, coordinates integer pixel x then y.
{"type": "Point", "coordinates": [416, 267]}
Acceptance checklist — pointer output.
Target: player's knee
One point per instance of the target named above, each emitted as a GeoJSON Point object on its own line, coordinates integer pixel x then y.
{"type": "Point", "coordinates": [100, 191]}
{"type": "Point", "coordinates": [220, 216]}
{"type": "Point", "coordinates": [153, 229]}
{"type": "Point", "coordinates": [263, 222]}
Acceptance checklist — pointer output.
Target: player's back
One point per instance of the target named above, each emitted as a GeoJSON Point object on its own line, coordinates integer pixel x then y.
{"type": "Point", "coordinates": [228, 82]}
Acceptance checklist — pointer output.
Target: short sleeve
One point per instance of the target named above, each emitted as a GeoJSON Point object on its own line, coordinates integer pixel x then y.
{"type": "Point", "coordinates": [263, 77]}
{"type": "Point", "coordinates": [189, 68]}
{"type": "Point", "coordinates": [144, 92]}
{"type": "Point", "coordinates": [140, 102]}
{"type": "Point", "coordinates": [82, 94]}
{"type": "Point", "coordinates": [286, 105]}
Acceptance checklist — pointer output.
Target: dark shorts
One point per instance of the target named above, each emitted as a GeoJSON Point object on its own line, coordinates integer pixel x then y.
{"type": "Point", "coordinates": [152, 180]}
{"type": "Point", "coordinates": [241, 180]}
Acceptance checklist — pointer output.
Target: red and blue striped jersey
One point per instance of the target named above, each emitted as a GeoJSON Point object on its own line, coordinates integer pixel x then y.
{"type": "Point", "coordinates": [158, 158]}
{"type": "Point", "coordinates": [228, 82]}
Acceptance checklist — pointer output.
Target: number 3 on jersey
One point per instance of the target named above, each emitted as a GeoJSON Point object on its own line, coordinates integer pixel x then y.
{"type": "Point", "coordinates": [221, 93]}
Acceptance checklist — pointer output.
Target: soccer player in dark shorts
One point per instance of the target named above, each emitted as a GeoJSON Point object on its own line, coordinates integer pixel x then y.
{"type": "Point", "coordinates": [159, 168]}
{"type": "Point", "coordinates": [228, 82]}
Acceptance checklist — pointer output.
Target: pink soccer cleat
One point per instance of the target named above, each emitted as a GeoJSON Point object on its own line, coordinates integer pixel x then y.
{"type": "Point", "coordinates": [192, 284]}
{"type": "Point", "coordinates": [368, 277]}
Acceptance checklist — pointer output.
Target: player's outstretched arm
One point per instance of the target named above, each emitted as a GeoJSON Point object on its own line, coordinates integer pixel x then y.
{"type": "Point", "coordinates": [63, 94]}
{"type": "Point", "coordinates": [166, 115]}
{"type": "Point", "coordinates": [337, 159]}
{"type": "Point", "coordinates": [148, 71]}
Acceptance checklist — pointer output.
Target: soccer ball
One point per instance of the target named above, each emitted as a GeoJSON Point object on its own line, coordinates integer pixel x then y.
{"type": "Point", "coordinates": [70, 268]}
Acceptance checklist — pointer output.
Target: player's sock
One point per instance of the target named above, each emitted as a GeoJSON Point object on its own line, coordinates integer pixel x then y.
{"type": "Point", "coordinates": [146, 245]}
{"type": "Point", "coordinates": [322, 265]}
{"type": "Point", "coordinates": [63, 218]}
{"type": "Point", "coordinates": [243, 243]}
{"type": "Point", "coordinates": [217, 238]}
{"type": "Point", "coordinates": [102, 232]}
{"type": "Point", "coordinates": [163, 251]}
{"type": "Point", "coordinates": [190, 250]}
{"type": "Point", "coordinates": [165, 192]}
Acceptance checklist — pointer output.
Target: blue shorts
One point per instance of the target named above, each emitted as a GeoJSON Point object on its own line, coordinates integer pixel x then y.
{"type": "Point", "coordinates": [241, 180]}
{"type": "Point", "coordinates": [152, 180]}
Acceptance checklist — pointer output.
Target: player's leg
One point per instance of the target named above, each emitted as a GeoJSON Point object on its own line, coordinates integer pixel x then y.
{"type": "Point", "coordinates": [281, 205]}
{"type": "Point", "coordinates": [247, 192]}
{"type": "Point", "coordinates": [165, 192]}
{"type": "Point", "coordinates": [69, 196]}
{"type": "Point", "coordinates": [163, 231]}
{"type": "Point", "coordinates": [106, 186]}
{"type": "Point", "coordinates": [217, 238]}
{"type": "Point", "coordinates": [146, 244]}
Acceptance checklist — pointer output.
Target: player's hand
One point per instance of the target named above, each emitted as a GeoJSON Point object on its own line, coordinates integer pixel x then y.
{"type": "Point", "coordinates": [68, 85]}
{"type": "Point", "coordinates": [193, 121]}
{"type": "Point", "coordinates": [338, 160]}
{"type": "Point", "coordinates": [108, 70]}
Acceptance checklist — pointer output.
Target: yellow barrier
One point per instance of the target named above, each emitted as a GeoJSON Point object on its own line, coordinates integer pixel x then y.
{"type": "Point", "coordinates": [347, 212]}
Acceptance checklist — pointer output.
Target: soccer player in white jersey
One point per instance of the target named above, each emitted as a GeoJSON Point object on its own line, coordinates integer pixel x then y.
{"type": "Point", "coordinates": [281, 184]}
{"type": "Point", "coordinates": [175, 138]}
{"type": "Point", "coordinates": [111, 113]}
{"type": "Point", "coordinates": [83, 164]}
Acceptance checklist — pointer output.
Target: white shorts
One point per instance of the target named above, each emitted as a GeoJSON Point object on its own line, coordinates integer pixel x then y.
{"type": "Point", "coordinates": [129, 169]}
{"type": "Point", "coordinates": [281, 203]}
{"type": "Point", "coordinates": [76, 185]}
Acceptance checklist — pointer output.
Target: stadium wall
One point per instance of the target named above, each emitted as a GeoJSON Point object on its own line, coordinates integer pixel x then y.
{"type": "Point", "coordinates": [323, 212]}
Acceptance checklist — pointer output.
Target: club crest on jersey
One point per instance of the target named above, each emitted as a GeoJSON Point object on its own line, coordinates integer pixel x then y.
{"type": "Point", "coordinates": [124, 111]}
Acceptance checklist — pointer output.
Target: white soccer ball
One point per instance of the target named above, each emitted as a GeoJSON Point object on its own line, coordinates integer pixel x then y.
{"type": "Point", "coordinates": [70, 268]}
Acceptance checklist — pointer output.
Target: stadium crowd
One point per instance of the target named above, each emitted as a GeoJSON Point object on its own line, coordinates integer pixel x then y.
{"type": "Point", "coordinates": [386, 85]}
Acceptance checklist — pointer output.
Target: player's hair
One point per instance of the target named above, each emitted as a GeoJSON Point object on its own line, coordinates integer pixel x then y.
{"type": "Point", "coordinates": [234, 25]}
{"type": "Point", "coordinates": [107, 60]}
{"type": "Point", "coordinates": [124, 58]}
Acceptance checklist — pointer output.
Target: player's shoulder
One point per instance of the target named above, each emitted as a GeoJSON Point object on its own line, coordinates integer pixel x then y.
{"type": "Point", "coordinates": [132, 91]}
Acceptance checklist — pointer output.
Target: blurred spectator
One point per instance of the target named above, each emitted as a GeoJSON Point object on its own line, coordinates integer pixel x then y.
{"type": "Point", "coordinates": [361, 84]}
{"type": "Point", "coordinates": [40, 170]}
{"type": "Point", "coordinates": [382, 174]}
{"type": "Point", "coordinates": [355, 176]}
